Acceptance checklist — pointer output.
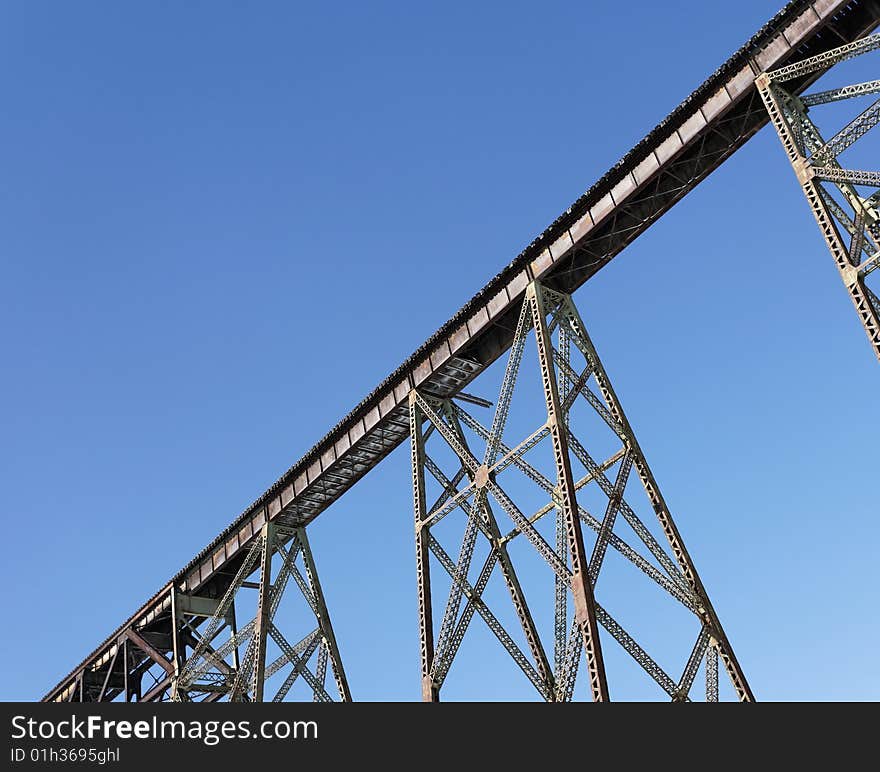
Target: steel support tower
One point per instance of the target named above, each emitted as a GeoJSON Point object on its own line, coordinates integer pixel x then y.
{"type": "Point", "coordinates": [213, 656]}
{"type": "Point", "coordinates": [844, 201]}
{"type": "Point", "coordinates": [571, 377]}
{"type": "Point", "coordinates": [210, 671]}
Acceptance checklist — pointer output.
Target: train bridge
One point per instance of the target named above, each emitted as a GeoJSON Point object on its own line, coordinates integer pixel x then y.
{"type": "Point", "coordinates": [192, 640]}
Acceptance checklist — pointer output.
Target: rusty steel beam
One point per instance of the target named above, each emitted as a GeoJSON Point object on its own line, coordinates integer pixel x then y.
{"type": "Point", "coordinates": [681, 151]}
{"type": "Point", "coordinates": [584, 602]}
{"type": "Point", "coordinates": [150, 651]}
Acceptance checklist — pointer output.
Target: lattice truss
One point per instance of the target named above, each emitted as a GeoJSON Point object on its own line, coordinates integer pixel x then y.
{"type": "Point", "coordinates": [586, 529]}
{"type": "Point", "coordinates": [217, 659]}
{"type": "Point", "coordinates": [845, 201]}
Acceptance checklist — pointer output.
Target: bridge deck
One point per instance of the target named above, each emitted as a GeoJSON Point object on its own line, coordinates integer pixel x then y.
{"type": "Point", "coordinates": [692, 141]}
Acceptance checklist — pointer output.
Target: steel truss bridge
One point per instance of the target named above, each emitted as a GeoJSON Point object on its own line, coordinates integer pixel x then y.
{"type": "Point", "coordinates": [189, 642]}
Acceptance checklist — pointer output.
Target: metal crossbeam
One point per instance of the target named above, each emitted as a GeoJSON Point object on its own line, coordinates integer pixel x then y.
{"type": "Point", "coordinates": [844, 92]}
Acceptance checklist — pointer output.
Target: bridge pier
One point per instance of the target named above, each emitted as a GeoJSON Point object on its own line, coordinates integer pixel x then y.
{"type": "Point", "coordinates": [215, 668]}
{"type": "Point", "coordinates": [571, 393]}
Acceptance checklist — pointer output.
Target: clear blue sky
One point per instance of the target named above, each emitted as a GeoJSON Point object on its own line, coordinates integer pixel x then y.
{"type": "Point", "coordinates": [221, 226]}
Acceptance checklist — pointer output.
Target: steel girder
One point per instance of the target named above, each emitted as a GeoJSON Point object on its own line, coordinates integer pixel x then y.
{"type": "Point", "coordinates": [849, 218]}
{"type": "Point", "coordinates": [476, 490]}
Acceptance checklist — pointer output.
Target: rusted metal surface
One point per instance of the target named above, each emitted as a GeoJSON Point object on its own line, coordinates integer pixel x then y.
{"type": "Point", "coordinates": [702, 132]}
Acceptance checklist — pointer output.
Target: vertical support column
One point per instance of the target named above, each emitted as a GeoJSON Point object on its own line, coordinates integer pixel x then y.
{"type": "Point", "coordinates": [125, 670]}
{"type": "Point", "coordinates": [233, 632]}
{"type": "Point", "coordinates": [430, 691]}
{"type": "Point", "coordinates": [177, 645]}
{"type": "Point", "coordinates": [584, 603]}
{"type": "Point", "coordinates": [560, 626]}
{"type": "Point", "coordinates": [261, 625]}
{"type": "Point", "coordinates": [324, 616]}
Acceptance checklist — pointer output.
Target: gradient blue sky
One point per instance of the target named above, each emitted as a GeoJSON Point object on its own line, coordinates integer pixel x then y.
{"type": "Point", "coordinates": [222, 225]}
